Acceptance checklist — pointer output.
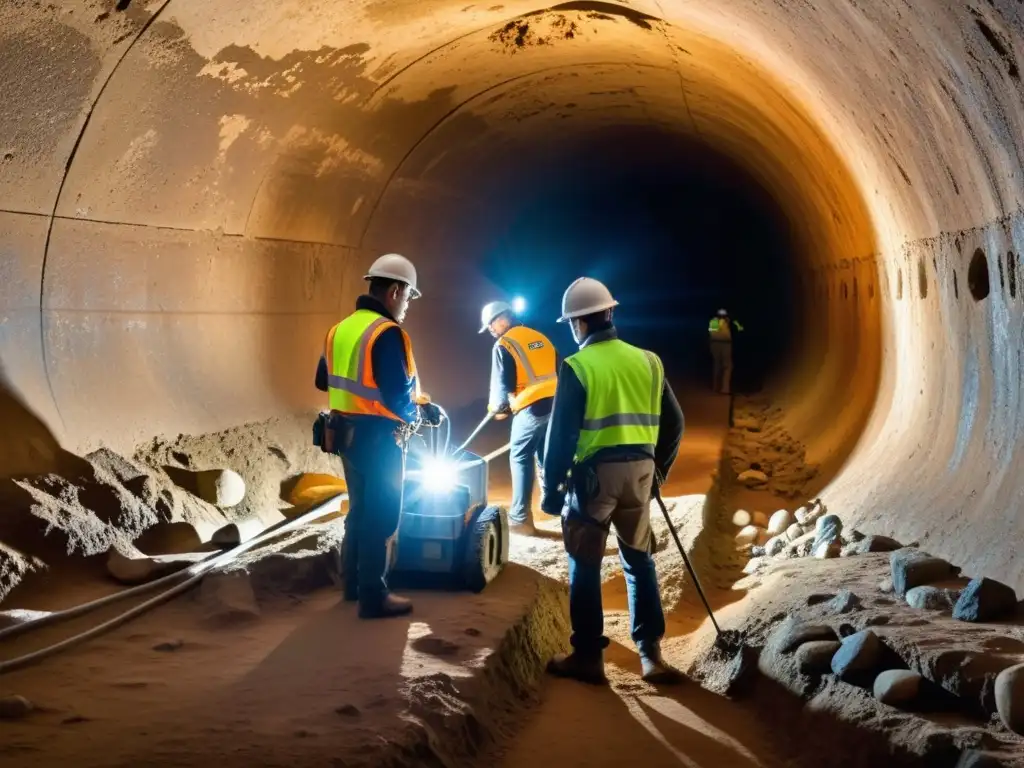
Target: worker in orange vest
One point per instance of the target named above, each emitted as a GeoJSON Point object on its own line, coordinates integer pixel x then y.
{"type": "Point", "coordinates": [369, 373]}
{"type": "Point", "coordinates": [524, 365]}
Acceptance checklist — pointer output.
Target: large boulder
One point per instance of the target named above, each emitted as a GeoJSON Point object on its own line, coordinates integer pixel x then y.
{"type": "Point", "coordinates": [913, 568]}
{"type": "Point", "coordinates": [985, 600]}
{"type": "Point", "coordinates": [1009, 695]}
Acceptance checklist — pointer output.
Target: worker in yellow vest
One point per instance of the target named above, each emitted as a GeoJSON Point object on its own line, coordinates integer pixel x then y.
{"type": "Point", "coordinates": [615, 432]}
{"type": "Point", "coordinates": [523, 379]}
{"type": "Point", "coordinates": [720, 337]}
{"type": "Point", "coordinates": [369, 373]}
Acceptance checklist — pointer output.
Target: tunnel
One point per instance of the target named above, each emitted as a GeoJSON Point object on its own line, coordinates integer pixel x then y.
{"type": "Point", "coordinates": [192, 193]}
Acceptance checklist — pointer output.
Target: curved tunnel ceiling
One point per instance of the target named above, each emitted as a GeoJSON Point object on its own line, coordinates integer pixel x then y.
{"type": "Point", "coordinates": [192, 189]}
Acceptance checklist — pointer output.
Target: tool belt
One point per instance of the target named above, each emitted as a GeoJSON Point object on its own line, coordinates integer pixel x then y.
{"type": "Point", "coordinates": [333, 432]}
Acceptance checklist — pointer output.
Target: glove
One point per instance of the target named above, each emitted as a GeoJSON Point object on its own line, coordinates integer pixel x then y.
{"type": "Point", "coordinates": [501, 413]}
{"type": "Point", "coordinates": [552, 501]}
{"type": "Point", "coordinates": [431, 415]}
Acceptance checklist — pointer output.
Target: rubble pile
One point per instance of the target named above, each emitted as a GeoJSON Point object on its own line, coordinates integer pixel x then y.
{"type": "Point", "coordinates": [764, 455]}
{"type": "Point", "coordinates": [808, 531]}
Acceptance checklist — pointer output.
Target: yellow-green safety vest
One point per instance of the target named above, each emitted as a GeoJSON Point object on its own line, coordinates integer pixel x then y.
{"type": "Point", "coordinates": [623, 386]}
{"type": "Point", "coordinates": [351, 385]}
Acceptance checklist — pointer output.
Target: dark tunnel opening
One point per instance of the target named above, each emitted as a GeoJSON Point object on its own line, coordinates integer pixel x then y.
{"type": "Point", "coordinates": [674, 228]}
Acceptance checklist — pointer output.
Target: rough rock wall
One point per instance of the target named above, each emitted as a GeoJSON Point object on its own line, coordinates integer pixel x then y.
{"type": "Point", "coordinates": [190, 190]}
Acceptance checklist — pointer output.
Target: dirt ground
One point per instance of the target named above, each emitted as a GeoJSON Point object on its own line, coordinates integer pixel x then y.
{"type": "Point", "coordinates": [266, 665]}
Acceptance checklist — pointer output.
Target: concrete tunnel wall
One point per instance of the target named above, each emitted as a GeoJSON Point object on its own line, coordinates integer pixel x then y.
{"type": "Point", "coordinates": [191, 190]}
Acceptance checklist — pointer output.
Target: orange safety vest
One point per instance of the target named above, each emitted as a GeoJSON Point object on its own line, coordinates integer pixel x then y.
{"type": "Point", "coordinates": [348, 349]}
{"type": "Point", "coordinates": [535, 358]}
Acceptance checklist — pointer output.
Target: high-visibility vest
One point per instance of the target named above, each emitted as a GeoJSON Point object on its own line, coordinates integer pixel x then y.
{"type": "Point", "coordinates": [623, 386]}
{"type": "Point", "coordinates": [351, 385]}
{"type": "Point", "coordinates": [721, 330]}
{"type": "Point", "coordinates": [535, 358]}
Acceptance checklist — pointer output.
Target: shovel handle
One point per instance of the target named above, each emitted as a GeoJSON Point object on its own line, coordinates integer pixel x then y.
{"type": "Point", "coordinates": [686, 560]}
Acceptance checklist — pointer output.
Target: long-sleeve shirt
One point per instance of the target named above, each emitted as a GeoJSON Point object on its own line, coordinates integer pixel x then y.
{"type": "Point", "coordinates": [503, 382]}
{"type": "Point", "coordinates": [397, 387]}
{"type": "Point", "coordinates": [567, 420]}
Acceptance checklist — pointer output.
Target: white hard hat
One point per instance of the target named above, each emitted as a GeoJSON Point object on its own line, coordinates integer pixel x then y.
{"type": "Point", "coordinates": [722, 313]}
{"type": "Point", "coordinates": [491, 311]}
{"type": "Point", "coordinates": [395, 267]}
{"type": "Point", "coordinates": [585, 297]}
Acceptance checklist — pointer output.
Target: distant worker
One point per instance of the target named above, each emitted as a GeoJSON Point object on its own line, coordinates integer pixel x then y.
{"type": "Point", "coordinates": [616, 426]}
{"type": "Point", "coordinates": [524, 364]}
{"type": "Point", "coordinates": [375, 400]}
{"type": "Point", "coordinates": [720, 333]}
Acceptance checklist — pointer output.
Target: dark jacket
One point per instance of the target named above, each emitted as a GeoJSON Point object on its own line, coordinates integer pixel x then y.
{"type": "Point", "coordinates": [503, 382]}
{"type": "Point", "coordinates": [397, 387]}
{"type": "Point", "coordinates": [567, 419]}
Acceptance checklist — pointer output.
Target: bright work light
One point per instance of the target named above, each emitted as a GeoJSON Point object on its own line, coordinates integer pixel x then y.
{"type": "Point", "coordinates": [518, 304]}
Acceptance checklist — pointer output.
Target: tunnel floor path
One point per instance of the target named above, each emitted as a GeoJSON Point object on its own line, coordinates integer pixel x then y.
{"type": "Point", "coordinates": [629, 721]}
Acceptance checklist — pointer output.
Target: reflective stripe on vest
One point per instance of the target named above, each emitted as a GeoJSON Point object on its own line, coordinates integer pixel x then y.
{"type": "Point", "coordinates": [623, 386]}
{"type": "Point", "coordinates": [351, 385]}
{"type": "Point", "coordinates": [534, 356]}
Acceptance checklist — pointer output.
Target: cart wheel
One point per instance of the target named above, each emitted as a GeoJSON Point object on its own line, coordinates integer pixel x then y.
{"type": "Point", "coordinates": [483, 559]}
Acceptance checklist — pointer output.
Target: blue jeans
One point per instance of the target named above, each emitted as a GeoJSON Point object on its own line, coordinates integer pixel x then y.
{"type": "Point", "coordinates": [527, 451]}
{"type": "Point", "coordinates": [374, 472]}
{"type": "Point", "coordinates": [647, 620]}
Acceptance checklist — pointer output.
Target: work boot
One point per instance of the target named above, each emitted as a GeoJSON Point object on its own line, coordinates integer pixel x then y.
{"type": "Point", "coordinates": [525, 528]}
{"type": "Point", "coordinates": [385, 608]}
{"type": "Point", "coordinates": [576, 666]}
{"type": "Point", "coordinates": [656, 671]}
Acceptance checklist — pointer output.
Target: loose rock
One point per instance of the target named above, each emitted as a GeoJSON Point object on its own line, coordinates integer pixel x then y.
{"type": "Point", "coordinates": [228, 596]}
{"type": "Point", "coordinates": [757, 551]}
{"type": "Point", "coordinates": [794, 532]}
{"type": "Point", "coordinates": [844, 602]}
{"type": "Point", "coordinates": [780, 521]}
{"type": "Point", "coordinates": [753, 477]}
{"type": "Point", "coordinates": [972, 758]}
{"type": "Point", "coordinates": [885, 586]}
{"type": "Point", "coordinates": [815, 657]}
{"type": "Point", "coordinates": [928, 598]}
{"type": "Point", "coordinates": [775, 546]}
{"type": "Point", "coordinates": [169, 646]}
{"type": "Point", "coordinates": [794, 634]}
{"type": "Point", "coordinates": [1009, 695]}
{"type": "Point", "coordinates": [760, 519]}
{"type": "Point", "coordinates": [985, 600]}
{"type": "Point", "coordinates": [15, 707]}
{"type": "Point", "coordinates": [747, 535]}
{"type": "Point", "coordinates": [875, 544]}
{"type": "Point", "coordinates": [741, 518]}
{"type": "Point", "coordinates": [809, 515]}
{"type": "Point", "coordinates": [753, 565]}
{"type": "Point", "coordinates": [897, 686]}
{"type": "Point", "coordinates": [828, 528]}
{"type": "Point", "coordinates": [222, 487]}
{"type": "Point", "coordinates": [913, 568]}
{"type": "Point", "coordinates": [859, 652]}
{"type": "Point", "coordinates": [824, 550]}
